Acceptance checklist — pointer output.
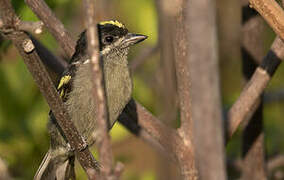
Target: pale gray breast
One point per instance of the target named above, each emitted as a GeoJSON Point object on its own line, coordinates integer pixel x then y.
{"type": "Point", "coordinates": [80, 103]}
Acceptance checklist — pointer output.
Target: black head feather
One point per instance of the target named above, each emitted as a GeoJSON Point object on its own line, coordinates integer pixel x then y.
{"type": "Point", "coordinates": [109, 32]}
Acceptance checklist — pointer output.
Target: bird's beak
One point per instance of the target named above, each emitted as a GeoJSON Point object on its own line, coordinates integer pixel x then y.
{"type": "Point", "coordinates": [131, 39]}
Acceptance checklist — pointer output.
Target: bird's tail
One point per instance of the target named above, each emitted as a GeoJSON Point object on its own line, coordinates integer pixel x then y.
{"type": "Point", "coordinates": [56, 167]}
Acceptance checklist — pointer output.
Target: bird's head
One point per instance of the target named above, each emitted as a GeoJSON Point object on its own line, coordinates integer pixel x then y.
{"type": "Point", "coordinates": [115, 36]}
{"type": "Point", "coordinates": [114, 40]}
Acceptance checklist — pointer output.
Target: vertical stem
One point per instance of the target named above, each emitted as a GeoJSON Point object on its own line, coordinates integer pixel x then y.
{"type": "Point", "coordinates": [104, 145]}
{"type": "Point", "coordinates": [186, 163]}
{"type": "Point", "coordinates": [205, 92]}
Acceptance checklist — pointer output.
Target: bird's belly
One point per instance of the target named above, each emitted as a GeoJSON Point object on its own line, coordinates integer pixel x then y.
{"type": "Point", "coordinates": [82, 107]}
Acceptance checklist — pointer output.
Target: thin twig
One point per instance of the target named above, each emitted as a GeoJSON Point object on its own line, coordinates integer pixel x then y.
{"type": "Point", "coordinates": [104, 144]}
{"type": "Point", "coordinates": [31, 58]}
{"type": "Point", "coordinates": [54, 26]}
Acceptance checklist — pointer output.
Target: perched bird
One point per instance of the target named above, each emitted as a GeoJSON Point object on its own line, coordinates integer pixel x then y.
{"type": "Point", "coordinates": [75, 88]}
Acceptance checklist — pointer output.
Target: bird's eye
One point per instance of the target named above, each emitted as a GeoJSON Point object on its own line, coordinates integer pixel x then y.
{"type": "Point", "coordinates": [109, 39]}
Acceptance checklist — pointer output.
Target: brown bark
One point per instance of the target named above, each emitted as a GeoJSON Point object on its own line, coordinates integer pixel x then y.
{"type": "Point", "coordinates": [103, 142]}
{"type": "Point", "coordinates": [272, 13]}
{"type": "Point", "coordinates": [247, 102]}
{"type": "Point", "coordinates": [188, 167]}
{"type": "Point", "coordinates": [205, 92]}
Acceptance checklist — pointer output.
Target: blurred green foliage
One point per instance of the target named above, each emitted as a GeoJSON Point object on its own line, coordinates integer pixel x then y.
{"type": "Point", "coordinates": [24, 112]}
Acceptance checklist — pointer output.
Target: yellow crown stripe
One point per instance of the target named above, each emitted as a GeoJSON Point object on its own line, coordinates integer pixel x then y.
{"type": "Point", "coordinates": [64, 80]}
{"type": "Point", "coordinates": [115, 23]}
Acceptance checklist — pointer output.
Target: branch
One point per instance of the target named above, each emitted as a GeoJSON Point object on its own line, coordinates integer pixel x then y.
{"type": "Point", "coordinates": [246, 104]}
{"type": "Point", "coordinates": [31, 58]}
{"type": "Point", "coordinates": [182, 73]}
{"type": "Point", "coordinates": [205, 89]}
{"type": "Point", "coordinates": [244, 107]}
{"type": "Point", "coordinates": [272, 13]}
{"type": "Point", "coordinates": [29, 26]}
{"type": "Point", "coordinates": [55, 27]}
{"type": "Point", "coordinates": [183, 88]}
{"type": "Point", "coordinates": [146, 126]}
{"type": "Point", "coordinates": [99, 94]}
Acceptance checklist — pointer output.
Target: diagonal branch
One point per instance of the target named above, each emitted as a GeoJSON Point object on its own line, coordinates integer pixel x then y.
{"type": "Point", "coordinates": [56, 28]}
{"type": "Point", "coordinates": [30, 26]}
{"type": "Point", "coordinates": [146, 126]}
{"type": "Point", "coordinates": [31, 58]}
{"type": "Point", "coordinates": [246, 104]}
{"type": "Point", "coordinates": [272, 13]}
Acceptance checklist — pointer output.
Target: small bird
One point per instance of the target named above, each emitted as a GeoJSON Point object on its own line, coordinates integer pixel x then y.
{"type": "Point", "coordinates": [75, 89]}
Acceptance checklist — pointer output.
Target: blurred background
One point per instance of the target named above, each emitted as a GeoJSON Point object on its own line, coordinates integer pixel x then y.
{"type": "Point", "coordinates": [24, 112]}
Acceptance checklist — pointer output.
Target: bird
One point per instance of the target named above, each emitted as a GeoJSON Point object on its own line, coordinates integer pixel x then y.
{"type": "Point", "coordinates": [75, 88]}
